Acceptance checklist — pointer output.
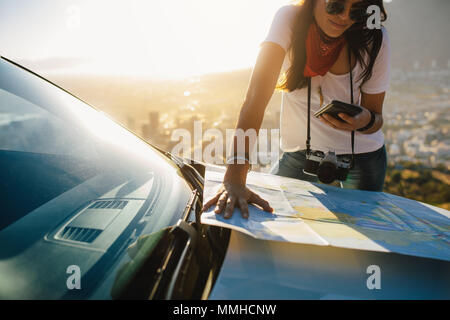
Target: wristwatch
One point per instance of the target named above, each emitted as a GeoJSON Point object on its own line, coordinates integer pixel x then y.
{"type": "Point", "coordinates": [370, 124]}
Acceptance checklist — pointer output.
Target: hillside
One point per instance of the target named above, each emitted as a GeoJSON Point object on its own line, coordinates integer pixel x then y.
{"type": "Point", "coordinates": [429, 185]}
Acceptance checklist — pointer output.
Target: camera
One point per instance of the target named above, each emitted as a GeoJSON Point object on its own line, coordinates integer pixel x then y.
{"type": "Point", "coordinates": [327, 167]}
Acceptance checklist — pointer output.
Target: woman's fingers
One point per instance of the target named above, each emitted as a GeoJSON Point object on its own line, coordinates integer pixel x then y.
{"type": "Point", "coordinates": [328, 123]}
{"type": "Point", "coordinates": [349, 119]}
{"type": "Point", "coordinates": [337, 124]}
{"type": "Point", "coordinates": [230, 207]}
{"type": "Point", "coordinates": [221, 203]}
{"type": "Point", "coordinates": [256, 199]}
{"type": "Point", "coordinates": [244, 207]}
{"type": "Point", "coordinates": [226, 202]}
{"type": "Point", "coordinates": [211, 201]}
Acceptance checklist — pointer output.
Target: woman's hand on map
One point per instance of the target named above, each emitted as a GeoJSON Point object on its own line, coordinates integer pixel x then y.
{"type": "Point", "coordinates": [235, 194]}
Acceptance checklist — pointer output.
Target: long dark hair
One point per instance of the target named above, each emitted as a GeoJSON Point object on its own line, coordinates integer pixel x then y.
{"type": "Point", "coordinates": [361, 40]}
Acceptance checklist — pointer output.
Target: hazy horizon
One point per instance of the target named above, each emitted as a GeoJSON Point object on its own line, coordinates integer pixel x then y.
{"type": "Point", "coordinates": [156, 39]}
{"type": "Point", "coordinates": [181, 38]}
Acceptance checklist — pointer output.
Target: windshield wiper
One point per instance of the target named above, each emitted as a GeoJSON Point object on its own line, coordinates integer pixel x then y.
{"type": "Point", "coordinates": [174, 264]}
{"type": "Point", "coordinates": [159, 266]}
{"type": "Point", "coordinates": [193, 173]}
{"type": "Point", "coordinates": [191, 206]}
{"type": "Point", "coordinates": [168, 261]}
{"type": "Point", "coordinates": [189, 172]}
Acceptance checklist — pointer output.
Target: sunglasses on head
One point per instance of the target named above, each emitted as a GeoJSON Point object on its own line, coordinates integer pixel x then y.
{"type": "Point", "coordinates": [358, 11]}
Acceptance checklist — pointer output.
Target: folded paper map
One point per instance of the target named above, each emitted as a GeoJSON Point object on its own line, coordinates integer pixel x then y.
{"type": "Point", "coordinates": [313, 213]}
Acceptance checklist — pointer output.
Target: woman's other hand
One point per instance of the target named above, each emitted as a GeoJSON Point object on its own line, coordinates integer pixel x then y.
{"type": "Point", "coordinates": [373, 102]}
{"type": "Point", "coordinates": [347, 122]}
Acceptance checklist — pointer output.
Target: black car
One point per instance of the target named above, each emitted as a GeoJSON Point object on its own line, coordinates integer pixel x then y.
{"type": "Point", "coordinates": [90, 211]}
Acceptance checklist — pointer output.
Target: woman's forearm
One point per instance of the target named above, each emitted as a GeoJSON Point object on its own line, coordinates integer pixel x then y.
{"type": "Point", "coordinates": [262, 84]}
{"type": "Point", "coordinates": [248, 125]}
{"type": "Point", "coordinates": [251, 116]}
{"type": "Point", "coordinates": [377, 125]}
{"type": "Point", "coordinates": [375, 103]}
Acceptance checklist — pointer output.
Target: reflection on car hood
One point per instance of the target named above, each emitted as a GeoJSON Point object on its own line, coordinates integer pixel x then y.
{"type": "Point", "coordinates": [262, 269]}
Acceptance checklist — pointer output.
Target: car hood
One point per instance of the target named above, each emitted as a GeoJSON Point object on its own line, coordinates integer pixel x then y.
{"type": "Point", "coordinates": [263, 269]}
{"type": "Point", "coordinates": [262, 265]}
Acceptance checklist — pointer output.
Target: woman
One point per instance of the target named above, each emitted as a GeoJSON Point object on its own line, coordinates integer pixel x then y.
{"type": "Point", "coordinates": [320, 40]}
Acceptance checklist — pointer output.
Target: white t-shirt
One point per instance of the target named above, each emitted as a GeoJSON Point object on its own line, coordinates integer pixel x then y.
{"type": "Point", "coordinates": [294, 105]}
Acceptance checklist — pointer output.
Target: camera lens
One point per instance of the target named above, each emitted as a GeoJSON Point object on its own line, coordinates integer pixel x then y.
{"type": "Point", "coordinates": [311, 166]}
{"type": "Point", "coordinates": [326, 172]}
{"type": "Point", "coordinates": [341, 174]}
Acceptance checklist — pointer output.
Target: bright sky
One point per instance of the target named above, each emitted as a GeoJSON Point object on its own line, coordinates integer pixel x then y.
{"type": "Point", "coordinates": [157, 38]}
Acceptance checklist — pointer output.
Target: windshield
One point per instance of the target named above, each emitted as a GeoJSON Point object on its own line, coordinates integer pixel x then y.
{"type": "Point", "coordinates": [71, 177]}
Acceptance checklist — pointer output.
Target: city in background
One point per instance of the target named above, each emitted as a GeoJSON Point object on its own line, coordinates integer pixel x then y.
{"type": "Point", "coordinates": [416, 111]}
{"type": "Point", "coordinates": [416, 115]}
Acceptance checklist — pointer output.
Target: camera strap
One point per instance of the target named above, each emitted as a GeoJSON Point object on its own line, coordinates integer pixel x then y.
{"type": "Point", "coordinates": [352, 102]}
{"type": "Point", "coordinates": [308, 135]}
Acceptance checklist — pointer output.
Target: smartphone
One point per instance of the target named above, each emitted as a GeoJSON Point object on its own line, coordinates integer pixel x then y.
{"type": "Point", "coordinates": [336, 107]}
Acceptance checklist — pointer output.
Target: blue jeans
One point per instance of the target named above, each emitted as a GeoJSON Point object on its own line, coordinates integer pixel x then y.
{"type": "Point", "coordinates": [368, 173]}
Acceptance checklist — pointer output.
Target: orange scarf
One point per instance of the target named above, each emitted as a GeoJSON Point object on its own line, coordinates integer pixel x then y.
{"type": "Point", "coordinates": [322, 51]}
